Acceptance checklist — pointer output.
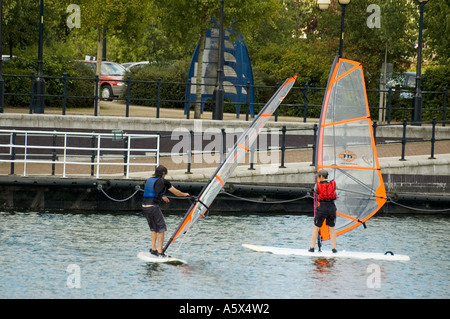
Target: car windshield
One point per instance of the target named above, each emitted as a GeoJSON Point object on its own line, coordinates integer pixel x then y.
{"type": "Point", "coordinates": [112, 69]}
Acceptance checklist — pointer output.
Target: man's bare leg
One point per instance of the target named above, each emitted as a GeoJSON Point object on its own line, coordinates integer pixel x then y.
{"type": "Point", "coordinates": [315, 233]}
{"type": "Point", "coordinates": [154, 235]}
{"type": "Point", "coordinates": [160, 240]}
{"type": "Point", "coordinates": [332, 231]}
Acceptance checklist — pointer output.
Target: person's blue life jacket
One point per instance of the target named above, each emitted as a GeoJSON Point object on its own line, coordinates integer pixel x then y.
{"type": "Point", "coordinates": [149, 190]}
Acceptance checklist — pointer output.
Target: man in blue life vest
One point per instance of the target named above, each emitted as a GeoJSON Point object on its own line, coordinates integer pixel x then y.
{"type": "Point", "coordinates": [326, 194]}
{"type": "Point", "coordinates": [155, 188]}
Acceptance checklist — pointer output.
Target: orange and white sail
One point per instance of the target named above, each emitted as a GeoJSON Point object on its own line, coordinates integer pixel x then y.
{"type": "Point", "coordinates": [234, 157]}
{"type": "Point", "coordinates": [346, 148]}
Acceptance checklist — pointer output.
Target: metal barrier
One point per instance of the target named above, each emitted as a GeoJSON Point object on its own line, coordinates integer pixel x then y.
{"type": "Point", "coordinates": [71, 149]}
{"type": "Point", "coordinates": [303, 101]}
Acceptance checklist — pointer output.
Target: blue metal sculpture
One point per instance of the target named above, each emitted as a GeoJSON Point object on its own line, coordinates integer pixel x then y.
{"type": "Point", "coordinates": [237, 76]}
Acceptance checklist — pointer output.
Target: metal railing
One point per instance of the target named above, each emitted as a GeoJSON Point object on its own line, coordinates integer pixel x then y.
{"type": "Point", "coordinates": [63, 151]}
{"type": "Point", "coordinates": [303, 101]}
{"type": "Point", "coordinates": [295, 139]}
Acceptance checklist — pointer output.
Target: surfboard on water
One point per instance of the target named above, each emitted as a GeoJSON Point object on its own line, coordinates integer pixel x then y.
{"type": "Point", "coordinates": [327, 254]}
{"type": "Point", "coordinates": [346, 148]}
{"type": "Point", "coordinates": [146, 256]}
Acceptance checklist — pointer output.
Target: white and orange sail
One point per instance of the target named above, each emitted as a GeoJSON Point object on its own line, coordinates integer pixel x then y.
{"type": "Point", "coordinates": [234, 157]}
{"type": "Point", "coordinates": [346, 148]}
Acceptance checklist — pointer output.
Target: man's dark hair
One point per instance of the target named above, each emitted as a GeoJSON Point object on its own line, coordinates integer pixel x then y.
{"type": "Point", "coordinates": [323, 173]}
{"type": "Point", "coordinates": [160, 170]}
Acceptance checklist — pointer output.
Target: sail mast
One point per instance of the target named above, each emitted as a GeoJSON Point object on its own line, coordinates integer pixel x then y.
{"type": "Point", "coordinates": [223, 172]}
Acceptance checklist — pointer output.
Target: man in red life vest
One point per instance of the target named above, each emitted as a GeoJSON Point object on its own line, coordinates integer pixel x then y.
{"type": "Point", "coordinates": [326, 193]}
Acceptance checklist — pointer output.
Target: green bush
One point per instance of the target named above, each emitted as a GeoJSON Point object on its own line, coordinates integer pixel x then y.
{"type": "Point", "coordinates": [434, 81]}
{"type": "Point", "coordinates": [17, 82]}
{"type": "Point", "coordinates": [18, 74]}
{"type": "Point", "coordinates": [172, 88]}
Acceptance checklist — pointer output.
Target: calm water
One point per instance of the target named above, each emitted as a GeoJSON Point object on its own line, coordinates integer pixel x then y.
{"type": "Point", "coordinates": [65, 255]}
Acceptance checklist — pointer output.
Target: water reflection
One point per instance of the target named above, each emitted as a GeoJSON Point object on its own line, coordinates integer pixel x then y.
{"type": "Point", "coordinates": [323, 265]}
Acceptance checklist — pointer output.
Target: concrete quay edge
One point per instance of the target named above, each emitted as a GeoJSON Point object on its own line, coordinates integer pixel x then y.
{"type": "Point", "coordinates": [303, 172]}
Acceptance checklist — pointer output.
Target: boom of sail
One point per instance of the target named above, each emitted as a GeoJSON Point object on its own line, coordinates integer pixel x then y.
{"type": "Point", "coordinates": [233, 158]}
{"type": "Point", "coordinates": [346, 148]}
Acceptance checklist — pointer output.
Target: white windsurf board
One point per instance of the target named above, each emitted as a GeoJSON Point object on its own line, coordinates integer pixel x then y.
{"type": "Point", "coordinates": [327, 254]}
{"type": "Point", "coordinates": [146, 256]}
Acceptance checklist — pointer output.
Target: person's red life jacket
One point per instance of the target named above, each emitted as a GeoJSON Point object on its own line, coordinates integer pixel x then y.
{"type": "Point", "coordinates": [326, 190]}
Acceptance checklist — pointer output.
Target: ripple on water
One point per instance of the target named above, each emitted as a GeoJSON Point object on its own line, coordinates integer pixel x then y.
{"type": "Point", "coordinates": [37, 249]}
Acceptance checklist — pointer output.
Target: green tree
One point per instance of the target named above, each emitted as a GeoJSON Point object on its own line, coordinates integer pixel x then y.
{"type": "Point", "coordinates": [365, 40]}
{"type": "Point", "coordinates": [122, 18]}
{"type": "Point", "coordinates": [437, 31]}
{"type": "Point", "coordinates": [21, 23]}
{"type": "Point", "coordinates": [187, 21]}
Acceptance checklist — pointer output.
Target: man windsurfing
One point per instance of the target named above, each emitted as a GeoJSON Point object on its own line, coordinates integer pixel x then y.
{"type": "Point", "coordinates": [326, 193]}
{"type": "Point", "coordinates": [155, 188]}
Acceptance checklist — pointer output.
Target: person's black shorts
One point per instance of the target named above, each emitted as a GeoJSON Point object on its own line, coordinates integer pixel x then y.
{"type": "Point", "coordinates": [155, 218]}
{"type": "Point", "coordinates": [326, 210]}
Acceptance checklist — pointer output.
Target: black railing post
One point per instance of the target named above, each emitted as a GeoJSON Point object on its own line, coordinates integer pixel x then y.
{"type": "Point", "coordinates": [189, 155]}
{"type": "Point", "coordinates": [247, 101]}
{"type": "Point", "coordinates": [314, 145]}
{"type": "Point", "coordinates": [125, 156]}
{"type": "Point", "coordinates": [305, 103]}
{"type": "Point", "coordinates": [444, 107]}
{"type": "Point", "coordinates": [32, 79]}
{"type": "Point", "coordinates": [127, 109]}
{"type": "Point", "coordinates": [252, 157]}
{"type": "Point", "coordinates": [389, 106]}
{"type": "Point", "coordinates": [92, 154]}
{"type": "Point", "coordinates": [188, 101]}
{"type": "Point", "coordinates": [64, 94]}
{"type": "Point", "coordinates": [404, 140]}
{"type": "Point", "coordinates": [374, 126]}
{"type": "Point", "coordinates": [97, 80]}
{"type": "Point", "coordinates": [158, 97]}
{"type": "Point", "coordinates": [224, 151]}
{"type": "Point", "coordinates": [433, 138]}
{"type": "Point", "coordinates": [277, 85]}
{"type": "Point", "coordinates": [13, 152]}
{"type": "Point", "coordinates": [283, 145]}
{"type": "Point", "coordinates": [53, 155]}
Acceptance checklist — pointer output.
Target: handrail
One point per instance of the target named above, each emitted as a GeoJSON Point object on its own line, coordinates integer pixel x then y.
{"type": "Point", "coordinates": [303, 100]}
{"type": "Point", "coordinates": [37, 146]}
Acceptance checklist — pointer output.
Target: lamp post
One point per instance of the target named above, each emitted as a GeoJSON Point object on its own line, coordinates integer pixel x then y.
{"type": "Point", "coordinates": [40, 83]}
{"type": "Point", "coordinates": [417, 111]}
{"type": "Point", "coordinates": [219, 91]}
{"type": "Point", "coordinates": [104, 45]}
{"type": "Point", "coordinates": [323, 5]}
{"type": "Point", "coordinates": [343, 4]}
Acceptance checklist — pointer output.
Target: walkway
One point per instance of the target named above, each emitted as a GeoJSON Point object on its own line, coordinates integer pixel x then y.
{"type": "Point", "coordinates": [179, 164]}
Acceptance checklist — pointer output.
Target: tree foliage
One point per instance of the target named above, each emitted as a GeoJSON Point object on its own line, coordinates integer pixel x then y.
{"type": "Point", "coordinates": [283, 36]}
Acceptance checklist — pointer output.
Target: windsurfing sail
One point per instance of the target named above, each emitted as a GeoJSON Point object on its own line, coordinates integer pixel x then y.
{"type": "Point", "coordinates": [346, 148]}
{"type": "Point", "coordinates": [233, 158]}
